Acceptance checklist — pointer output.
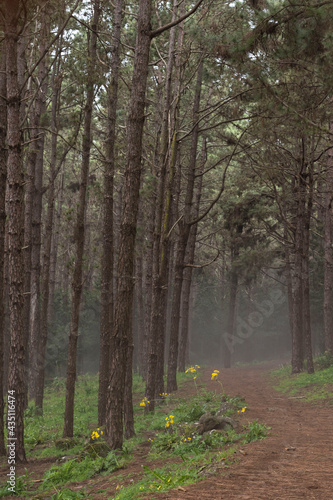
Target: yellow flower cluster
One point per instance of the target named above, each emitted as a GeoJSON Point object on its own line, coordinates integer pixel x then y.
{"type": "Point", "coordinates": [96, 434]}
{"type": "Point", "coordinates": [164, 394]}
{"type": "Point", "coordinates": [242, 410]}
{"type": "Point", "coordinates": [169, 420]}
{"type": "Point", "coordinates": [193, 370]}
{"type": "Point", "coordinates": [144, 402]}
{"type": "Point", "coordinates": [215, 374]}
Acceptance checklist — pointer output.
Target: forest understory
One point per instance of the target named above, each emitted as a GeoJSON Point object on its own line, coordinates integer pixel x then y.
{"type": "Point", "coordinates": [293, 461]}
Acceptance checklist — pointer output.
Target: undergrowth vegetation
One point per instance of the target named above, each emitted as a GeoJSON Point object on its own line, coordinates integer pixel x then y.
{"type": "Point", "coordinates": [172, 431]}
{"type": "Point", "coordinates": [311, 387]}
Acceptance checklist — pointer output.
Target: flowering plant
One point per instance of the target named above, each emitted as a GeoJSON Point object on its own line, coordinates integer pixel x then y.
{"type": "Point", "coordinates": [144, 402]}
{"type": "Point", "coordinates": [169, 421]}
{"type": "Point", "coordinates": [95, 435]}
{"type": "Point", "coordinates": [193, 370]}
{"type": "Point", "coordinates": [214, 376]}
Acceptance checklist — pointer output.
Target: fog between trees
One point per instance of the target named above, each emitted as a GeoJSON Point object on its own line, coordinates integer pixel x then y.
{"type": "Point", "coordinates": [165, 193]}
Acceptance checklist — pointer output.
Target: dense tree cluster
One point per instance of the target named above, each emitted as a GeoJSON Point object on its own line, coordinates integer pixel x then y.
{"type": "Point", "coordinates": [166, 183]}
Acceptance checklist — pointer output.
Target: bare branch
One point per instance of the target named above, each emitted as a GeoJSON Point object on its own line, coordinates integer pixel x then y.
{"type": "Point", "coordinates": [197, 266]}
{"type": "Point", "coordinates": [198, 219]}
{"type": "Point", "coordinates": [158, 31]}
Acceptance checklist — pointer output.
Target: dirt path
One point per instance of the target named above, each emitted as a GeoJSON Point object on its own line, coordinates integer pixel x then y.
{"type": "Point", "coordinates": [295, 461]}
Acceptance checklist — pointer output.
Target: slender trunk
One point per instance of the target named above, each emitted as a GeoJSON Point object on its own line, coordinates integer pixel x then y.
{"type": "Point", "coordinates": [185, 311]}
{"type": "Point", "coordinates": [3, 177]}
{"type": "Point", "coordinates": [45, 285]}
{"type": "Point", "coordinates": [36, 271]}
{"type": "Point", "coordinates": [152, 239]}
{"type": "Point", "coordinates": [288, 268]}
{"type": "Point", "coordinates": [54, 250]}
{"type": "Point", "coordinates": [15, 204]}
{"type": "Point", "coordinates": [36, 157]}
{"type": "Point", "coordinates": [128, 401]}
{"type": "Point", "coordinates": [297, 313]}
{"type": "Point", "coordinates": [161, 253]}
{"type": "Point", "coordinates": [155, 372]}
{"type": "Point", "coordinates": [21, 72]}
{"type": "Point", "coordinates": [148, 286]}
{"type": "Point", "coordinates": [155, 375]}
{"type": "Point", "coordinates": [328, 256]}
{"type": "Point", "coordinates": [193, 296]}
{"type": "Point", "coordinates": [142, 339]}
{"type": "Point", "coordinates": [308, 189]}
{"type": "Point", "coordinates": [184, 231]}
{"type": "Point", "coordinates": [187, 275]}
{"type": "Point", "coordinates": [108, 240]}
{"type": "Point", "coordinates": [80, 230]}
{"type": "Point", "coordinates": [121, 332]}
{"type": "Point", "coordinates": [233, 286]}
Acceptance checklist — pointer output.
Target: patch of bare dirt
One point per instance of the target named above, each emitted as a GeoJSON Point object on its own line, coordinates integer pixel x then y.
{"type": "Point", "coordinates": [294, 462]}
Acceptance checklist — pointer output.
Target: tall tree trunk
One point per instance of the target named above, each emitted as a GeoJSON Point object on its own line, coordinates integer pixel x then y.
{"type": "Point", "coordinates": [155, 373]}
{"type": "Point", "coordinates": [121, 335]}
{"type": "Point", "coordinates": [79, 228]}
{"type": "Point", "coordinates": [155, 381]}
{"type": "Point", "coordinates": [187, 276]}
{"type": "Point", "coordinates": [142, 338]}
{"type": "Point", "coordinates": [152, 238]}
{"type": "Point", "coordinates": [184, 231]}
{"type": "Point", "coordinates": [34, 220]}
{"type": "Point", "coordinates": [328, 256]}
{"type": "Point", "coordinates": [308, 189]}
{"type": "Point", "coordinates": [288, 264]}
{"type": "Point", "coordinates": [297, 312]}
{"type": "Point", "coordinates": [3, 177]}
{"type": "Point", "coordinates": [148, 287]}
{"type": "Point", "coordinates": [45, 279]}
{"type": "Point", "coordinates": [233, 288]}
{"type": "Point", "coordinates": [15, 204]}
{"type": "Point", "coordinates": [108, 241]}
{"type": "Point", "coordinates": [54, 249]}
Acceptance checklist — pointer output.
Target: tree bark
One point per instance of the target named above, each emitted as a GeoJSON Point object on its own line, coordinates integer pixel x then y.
{"type": "Point", "coordinates": [162, 248]}
{"type": "Point", "coordinates": [328, 255]}
{"type": "Point", "coordinates": [233, 289]}
{"type": "Point", "coordinates": [187, 276]}
{"type": "Point", "coordinates": [15, 204]}
{"type": "Point", "coordinates": [122, 325]}
{"type": "Point", "coordinates": [45, 278]}
{"type": "Point", "coordinates": [33, 221]}
{"type": "Point", "coordinates": [80, 229]}
{"type": "Point", "coordinates": [297, 313]}
{"type": "Point", "coordinates": [3, 177]}
{"type": "Point", "coordinates": [54, 248]}
{"type": "Point", "coordinates": [184, 231]}
{"type": "Point", "coordinates": [108, 241]}
{"type": "Point", "coordinates": [142, 339]}
{"type": "Point", "coordinates": [308, 191]}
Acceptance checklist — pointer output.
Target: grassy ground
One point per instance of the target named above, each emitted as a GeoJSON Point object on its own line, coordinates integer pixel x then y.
{"type": "Point", "coordinates": [311, 387]}
{"type": "Point", "coordinates": [174, 443]}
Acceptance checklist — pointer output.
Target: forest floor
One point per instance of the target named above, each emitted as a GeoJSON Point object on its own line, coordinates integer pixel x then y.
{"type": "Point", "coordinates": [295, 460]}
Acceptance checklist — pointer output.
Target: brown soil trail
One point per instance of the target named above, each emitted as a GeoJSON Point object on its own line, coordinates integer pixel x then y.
{"type": "Point", "coordinates": [295, 461]}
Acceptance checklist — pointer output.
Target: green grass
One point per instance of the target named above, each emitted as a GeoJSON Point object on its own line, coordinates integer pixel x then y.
{"type": "Point", "coordinates": [312, 387]}
{"type": "Point", "coordinates": [194, 455]}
